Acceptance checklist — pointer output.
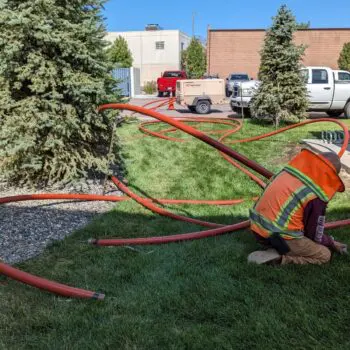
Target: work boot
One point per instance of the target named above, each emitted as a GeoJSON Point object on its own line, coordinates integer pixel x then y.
{"type": "Point", "coordinates": [269, 256]}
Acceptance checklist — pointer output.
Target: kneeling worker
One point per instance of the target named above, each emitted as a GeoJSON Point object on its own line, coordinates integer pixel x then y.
{"type": "Point", "coordinates": [290, 214]}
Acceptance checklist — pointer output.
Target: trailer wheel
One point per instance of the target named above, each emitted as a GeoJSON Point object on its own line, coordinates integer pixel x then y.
{"type": "Point", "coordinates": [203, 107]}
{"type": "Point", "coordinates": [347, 110]}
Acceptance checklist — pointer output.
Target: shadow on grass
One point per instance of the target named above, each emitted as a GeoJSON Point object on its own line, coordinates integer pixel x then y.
{"type": "Point", "coordinates": [197, 294]}
{"type": "Point", "coordinates": [187, 111]}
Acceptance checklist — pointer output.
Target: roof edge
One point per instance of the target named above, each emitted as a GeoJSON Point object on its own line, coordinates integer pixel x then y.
{"type": "Point", "coordinates": [264, 30]}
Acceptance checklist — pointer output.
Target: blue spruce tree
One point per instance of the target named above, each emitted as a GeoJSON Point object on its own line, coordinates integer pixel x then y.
{"type": "Point", "coordinates": [53, 74]}
{"type": "Point", "coordinates": [282, 94]}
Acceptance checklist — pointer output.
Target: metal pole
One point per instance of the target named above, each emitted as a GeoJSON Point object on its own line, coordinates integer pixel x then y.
{"type": "Point", "coordinates": [242, 108]}
{"type": "Point", "coordinates": [117, 121]}
{"type": "Point", "coordinates": [193, 19]}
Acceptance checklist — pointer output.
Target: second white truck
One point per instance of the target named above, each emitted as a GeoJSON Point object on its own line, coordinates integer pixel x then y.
{"type": "Point", "coordinates": [328, 91]}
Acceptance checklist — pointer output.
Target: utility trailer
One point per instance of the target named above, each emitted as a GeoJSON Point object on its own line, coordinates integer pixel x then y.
{"type": "Point", "coordinates": [200, 94]}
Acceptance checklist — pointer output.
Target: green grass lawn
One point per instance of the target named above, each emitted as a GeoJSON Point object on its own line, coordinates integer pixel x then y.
{"type": "Point", "coordinates": [193, 295]}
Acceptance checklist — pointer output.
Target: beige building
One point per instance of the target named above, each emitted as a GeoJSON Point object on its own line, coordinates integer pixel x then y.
{"type": "Point", "coordinates": [154, 51]}
{"type": "Point", "coordinates": [238, 50]}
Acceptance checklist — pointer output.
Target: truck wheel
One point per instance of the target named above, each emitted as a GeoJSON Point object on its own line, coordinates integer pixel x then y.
{"type": "Point", "coordinates": [246, 112]}
{"type": "Point", "coordinates": [334, 114]}
{"type": "Point", "coordinates": [160, 94]}
{"type": "Point", "coordinates": [203, 107]}
{"type": "Point", "coordinates": [173, 93]}
{"type": "Point", "coordinates": [347, 110]}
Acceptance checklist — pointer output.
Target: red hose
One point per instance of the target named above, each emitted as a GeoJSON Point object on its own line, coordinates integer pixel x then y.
{"type": "Point", "coordinates": [227, 133]}
{"type": "Point", "coordinates": [170, 239]}
{"type": "Point", "coordinates": [94, 197]}
{"type": "Point", "coordinates": [50, 286]}
{"type": "Point", "coordinates": [178, 123]}
{"type": "Point", "coordinates": [194, 132]}
{"type": "Point", "coordinates": [269, 134]}
{"type": "Point", "coordinates": [156, 209]}
{"type": "Point", "coordinates": [237, 156]}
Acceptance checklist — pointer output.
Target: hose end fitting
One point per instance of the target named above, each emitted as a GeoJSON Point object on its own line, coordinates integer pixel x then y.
{"type": "Point", "coordinates": [98, 296]}
{"type": "Point", "coordinates": [93, 241]}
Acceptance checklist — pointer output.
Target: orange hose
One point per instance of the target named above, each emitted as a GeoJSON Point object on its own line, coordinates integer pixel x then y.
{"type": "Point", "coordinates": [94, 197]}
{"type": "Point", "coordinates": [194, 132]}
{"type": "Point", "coordinates": [178, 123]}
{"type": "Point", "coordinates": [171, 239]}
{"type": "Point", "coordinates": [227, 155]}
{"type": "Point", "coordinates": [156, 209]}
{"type": "Point", "coordinates": [272, 133]}
{"type": "Point", "coordinates": [50, 286]}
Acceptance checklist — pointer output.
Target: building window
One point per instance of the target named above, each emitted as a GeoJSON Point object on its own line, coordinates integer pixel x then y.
{"type": "Point", "coordinates": [160, 45]}
{"type": "Point", "coordinates": [182, 46]}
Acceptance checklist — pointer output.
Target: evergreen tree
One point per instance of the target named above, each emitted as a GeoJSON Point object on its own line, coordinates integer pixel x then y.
{"type": "Point", "coordinates": [54, 73]}
{"type": "Point", "coordinates": [282, 94]}
{"type": "Point", "coordinates": [184, 60]}
{"type": "Point", "coordinates": [194, 59]}
{"type": "Point", "coordinates": [344, 58]}
{"type": "Point", "coordinates": [119, 53]}
{"type": "Point", "coordinates": [303, 25]}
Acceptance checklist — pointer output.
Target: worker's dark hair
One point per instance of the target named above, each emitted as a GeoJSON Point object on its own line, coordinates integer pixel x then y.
{"type": "Point", "coordinates": [334, 159]}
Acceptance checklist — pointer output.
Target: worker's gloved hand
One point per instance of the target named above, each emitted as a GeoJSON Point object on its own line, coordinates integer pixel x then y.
{"type": "Point", "coordinates": [340, 248]}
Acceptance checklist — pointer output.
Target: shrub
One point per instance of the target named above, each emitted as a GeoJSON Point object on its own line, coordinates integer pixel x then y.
{"type": "Point", "coordinates": [193, 59]}
{"type": "Point", "coordinates": [344, 58]}
{"type": "Point", "coordinates": [119, 53]}
{"type": "Point", "coordinates": [150, 88]}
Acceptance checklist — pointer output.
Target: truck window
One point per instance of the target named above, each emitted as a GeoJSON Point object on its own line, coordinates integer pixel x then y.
{"type": "Point", "coordinates": [305, 75]}
{"type": "Point", "coordinates": [172, 75]}
{"type": "Point", "coordinates": [239, 77]}
{"type": "Point", "coordinates": [319, 76]}
{"type": "Point", "coordinates": [344, 77]}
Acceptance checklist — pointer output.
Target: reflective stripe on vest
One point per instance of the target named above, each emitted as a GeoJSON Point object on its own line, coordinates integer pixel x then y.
{"type": "Point", "coordinates": [292, 204]}
{"type": "Point", "coordinates": [307, 181]}
{"type": "Point", "coordinates": [282, 214]}
{"type": "Point", "coordinates": [269, 227]}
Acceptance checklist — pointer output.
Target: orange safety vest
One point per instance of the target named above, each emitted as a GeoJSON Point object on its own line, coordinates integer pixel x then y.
{"type": "Point", "coordinates": [281, 207]}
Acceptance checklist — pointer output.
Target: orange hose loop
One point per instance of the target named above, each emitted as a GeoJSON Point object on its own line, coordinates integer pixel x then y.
{"type": "Point", "coordinates": [160, 211]}
{"type": "Point", "coordinates": [342, 125]}
{"type": "Point", "coordinates": [177, 123]}
{"type": "Point", "coordinates": [194, 132]}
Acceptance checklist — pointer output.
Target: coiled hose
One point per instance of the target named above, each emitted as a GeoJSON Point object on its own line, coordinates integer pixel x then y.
{"type": "Point", "coordinates": [228, 153]}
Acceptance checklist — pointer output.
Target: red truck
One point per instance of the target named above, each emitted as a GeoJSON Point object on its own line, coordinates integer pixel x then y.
{"type": "Point", "coordinates": [167, 83]}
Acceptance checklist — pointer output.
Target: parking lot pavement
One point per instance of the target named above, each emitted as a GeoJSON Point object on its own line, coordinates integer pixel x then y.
{"type": "Point", "coordinates": [218, 111]}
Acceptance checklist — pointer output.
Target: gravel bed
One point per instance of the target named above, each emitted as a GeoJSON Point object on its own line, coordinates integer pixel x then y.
{"type": "Point", "coordinates": [26, 228]}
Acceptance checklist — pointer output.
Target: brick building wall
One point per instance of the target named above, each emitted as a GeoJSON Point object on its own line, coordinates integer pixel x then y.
{"type": "Point", "coordinates": [238, 50]}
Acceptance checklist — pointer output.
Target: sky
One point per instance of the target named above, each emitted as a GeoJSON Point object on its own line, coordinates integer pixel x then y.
{"type": "Point", "coordinates": [221, 14]}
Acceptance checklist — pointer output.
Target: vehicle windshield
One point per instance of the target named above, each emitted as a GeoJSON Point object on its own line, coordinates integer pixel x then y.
{"type": "Point", "coordinates": [172, 75]}
{"type": "Point", "coordinates": [239, 77]}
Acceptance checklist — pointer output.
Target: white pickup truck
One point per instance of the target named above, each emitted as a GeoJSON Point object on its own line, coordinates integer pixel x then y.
{"type": "Point", "coordinates": [328, 91]}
